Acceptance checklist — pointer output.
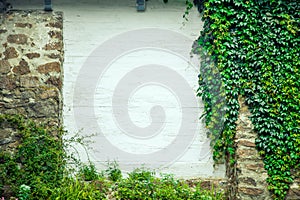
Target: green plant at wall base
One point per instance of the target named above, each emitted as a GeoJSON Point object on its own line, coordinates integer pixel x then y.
{"type": "Point", "coordinates": [38, 169]}
{"type": "Point", "coordinates": [255, 45]}
{"type": "Point", "coordinates": [113, 171]}
{"type": "Point", "coordinates": [73, 188]}
{"type": "Point", "coordinates": [143, 184]}
{"type": "Point", "coordinates": [88, 173]}
{"type": "Point", "coordinates": [39, 160]}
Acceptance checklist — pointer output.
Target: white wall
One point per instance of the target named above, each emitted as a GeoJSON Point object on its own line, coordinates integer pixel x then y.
{"type": "Point", "coordinates": [109, 47]}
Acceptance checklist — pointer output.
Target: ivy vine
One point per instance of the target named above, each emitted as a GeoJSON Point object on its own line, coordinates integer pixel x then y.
{"type": "Point", "coordinates": [255, 46]}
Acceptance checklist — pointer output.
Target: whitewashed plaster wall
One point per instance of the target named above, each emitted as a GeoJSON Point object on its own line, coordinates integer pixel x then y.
{"type": "Point", "coordinates": [93, 32]}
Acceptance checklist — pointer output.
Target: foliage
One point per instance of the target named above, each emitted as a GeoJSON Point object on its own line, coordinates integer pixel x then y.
{"type": "Point", "coordinates": [39, 169]}
{"type": "Point", "coordinates": [113, 172]}
{"type": "Point", "coordinates": [143, 184]}
{"type": "Point", "coordinates": [88, 173]}
{"type": "Point", "coordinates": [73, 188]}
{"type": "Point", "coordinates": [255, 46]}
{"type": "Point", "coordinates": [38, 162]}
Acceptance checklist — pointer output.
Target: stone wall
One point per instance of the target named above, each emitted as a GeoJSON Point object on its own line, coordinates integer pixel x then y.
{"type": "Point", "coordinates": [31, 56]}
{"type": "Point", "coordinates": [248, 176]}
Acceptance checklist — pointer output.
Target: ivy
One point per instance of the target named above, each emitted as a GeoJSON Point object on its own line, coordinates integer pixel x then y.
{"type": "Point", "coordinates": [255, 46]}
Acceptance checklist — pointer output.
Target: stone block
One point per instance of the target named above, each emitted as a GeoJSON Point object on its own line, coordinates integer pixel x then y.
{"type": "Point", "coordinates": [17, 38]}
{"type": "Point", "coordinates": [49, 93]}
{"type": "Point", "coordinates": [4, 67]}
{"type": "Point", "coordinates": [256, 167]}
{"type": "Point", "coordinates": [43, 109]}
{"type": "Point", "coordinates": [250, 191]}
{"type": "Point", "coordinates": [54, 46]}
{"type": "Point", "coordinates": [29, 82]}
{"type": "Point", "coordinates": [33, 55]}
{"type": "Point", "coordinates": [249, 153]}
{"type": "Point", "coordinates": [294, 192]}
{"type": "Point", "coordinates": [55, 81]}
{"type": "Point", "coordinates": [49, 67]}
{"type": "Point", "coordinates": [55, 56]}
{"type": "Point", "coordinates": [8, 83]}
{"type": "Point", "coordinates": [10, 52]}
{"type": "Point", "coordinates": [22, 68]}
{"type": "Point", "coordinates": [23, 25]}
{"type": "Point", "coordinates": [55, 34]}
{"type": "Point", "coordinates": [3, 31]}
{"type": "Point", "coordinates": [246, 143]}
{"type": "Point", "coordinates": [58, 25]}
{"type": "Point", "coordinates": [247, 180]}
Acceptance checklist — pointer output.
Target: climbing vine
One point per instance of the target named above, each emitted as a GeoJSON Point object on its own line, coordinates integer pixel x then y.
{"type": "Point", "coordinates": [255, 46]}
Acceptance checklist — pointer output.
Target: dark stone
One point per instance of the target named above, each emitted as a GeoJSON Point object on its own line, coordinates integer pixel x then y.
{"type": "Point", "coordinates": [54, 46]}
{"type": "Point", "coordinates": [246, 143]}
{"type": "Point", "coordinates": [10, 52]}
{"type": "Point", "coordinates": [47, 108]}
{"type": "Point", "coordinates": [294, 193]}
{"type": "Point", "coordinates": [29, 82]}
{"type": "Point", "coordinates": [247, 180]}
{"type": "Point", "coordinates": [27, 94]}
{"type": "Point", "coordinates": [6, 141]}
{"type": "Point", "coordinates": [5, 133]}
{"type": "Point", "coordinates": [55, 56]}
{"type": "Point", "coordinates": [17, 39]}
{"type": "Point", "coordinates": [58, 25]}
{"type": "Point", "coordinates": [250, 191]}
{"type": "Point", "coordinates": [49, 67]}
{"type": "Point", "coordinates": [250, 154]}
{"type": "Point", "coordinates": [32, 55]}
{"type": "Point", "coordinates": [7, 191]}
{"type": "Point", "coordinates": [55, 81]}
{"type": "Point", "coordinates": [256, 167]}
{"type": "Point", "coordinates": [49, 93]}
{"type": "Point", "coordinates": [4, 67]}
{"type": "Point", "coordinates": [55, 34]}
{"type": "Point", "coordinates": [23, 25]}
{"type": "Point", "coordinates": [5, 45]}
{"type": "Point", "coordinates": [22, 68]}
{"type": "Point", "coordinates": [3, 31]}
{"type": "Point", "coordinates": [8, 83]}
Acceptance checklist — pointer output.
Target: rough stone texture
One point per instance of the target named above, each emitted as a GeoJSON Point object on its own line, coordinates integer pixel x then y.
{"type": "Point", "coordinates": [10, 52]}
{"type": "Point", "coordinates": [49, 67]}
{"type": "Point", "coordinates": [17, 38]}
{"type": "Point", "coordinates": [247, 177]}
{"type": "Point", "coordinates": [3, 31]}
{"type": "Point", "coordinates": [294, 192]}
{"type": "Point", "coordinates": [22, 68]}
{"type": "Point", "coordinates": [33, 55]}
{"type": "Point", "coordinates": [53, 46]}
{"type": "Point", "coordinates": [4, 67]}
{"type": "Point", "coordinates": [55, 34]}
{"type": "Point", "coordinates": [23, 25]}
{"type": "Point", "coordinates": [30, 80]}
